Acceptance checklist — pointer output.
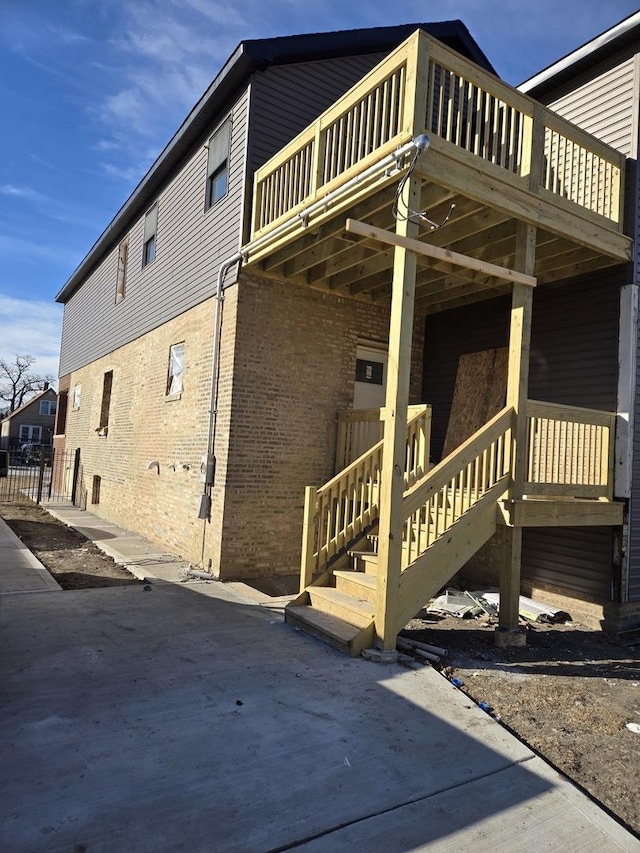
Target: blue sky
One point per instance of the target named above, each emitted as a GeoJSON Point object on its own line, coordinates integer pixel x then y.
{"type": "Point", "coordinates": [91, 90]}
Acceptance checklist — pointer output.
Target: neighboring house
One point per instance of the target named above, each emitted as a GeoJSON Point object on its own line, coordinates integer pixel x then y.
{"type": "Point", "coordinates": [232, 339]}
{"type": "Point", "coordinates": [33, 422]}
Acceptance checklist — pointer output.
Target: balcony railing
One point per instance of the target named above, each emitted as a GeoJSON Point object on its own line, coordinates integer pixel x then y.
{"type": "Point", "coordinates": [467, 108]}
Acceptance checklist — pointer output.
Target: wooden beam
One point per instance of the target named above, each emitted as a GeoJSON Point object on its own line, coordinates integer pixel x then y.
{"type": "Point", "coordinates": [517, 388]}
{"type": "Point", "coordinates": [438, 253]}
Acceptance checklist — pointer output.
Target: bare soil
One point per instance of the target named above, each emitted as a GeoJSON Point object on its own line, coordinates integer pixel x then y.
{"type": "Point", "coordinates": [73, 561]}
{"type": "Point", "coordinates": [568, 694]}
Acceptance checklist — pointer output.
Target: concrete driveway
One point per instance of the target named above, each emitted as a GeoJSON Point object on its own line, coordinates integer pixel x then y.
{"type": "Point", "coordinates": [187, 718]}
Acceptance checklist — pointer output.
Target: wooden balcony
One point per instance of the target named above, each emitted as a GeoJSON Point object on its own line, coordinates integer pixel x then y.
{"type": "Point", "coordinates": [496, 157]}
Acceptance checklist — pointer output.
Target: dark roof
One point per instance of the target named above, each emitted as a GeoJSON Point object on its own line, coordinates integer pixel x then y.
{"type": "Point", "coordinates": [255, 55]}
{"type": "Point", "coordinates": [614, 40]}
{"type": "Point", "coordinates": [30, 402]}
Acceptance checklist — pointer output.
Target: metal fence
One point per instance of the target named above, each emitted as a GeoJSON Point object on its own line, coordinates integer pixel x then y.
{"type": "Point", "coordinates": [42, 475]}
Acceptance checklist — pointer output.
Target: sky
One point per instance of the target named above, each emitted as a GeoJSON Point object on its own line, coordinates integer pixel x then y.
{"type": "Point", "coordinates": [92, 90]}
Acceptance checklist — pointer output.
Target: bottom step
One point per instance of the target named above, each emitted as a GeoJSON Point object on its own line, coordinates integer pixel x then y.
{"type": "Point", "coordinates": [348, 638]}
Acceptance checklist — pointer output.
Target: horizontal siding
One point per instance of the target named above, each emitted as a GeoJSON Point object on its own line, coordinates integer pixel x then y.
{"type": "Point", "coordinates": [603, 106]}
{"type": "Point", "coordinates": [574, 360]}
{"type": "Point", "coordinates": [191, 243]}
{"type": "Point", "coordinates": [576, 559]}
{"type": "Point", "coordinates": [285, 99]}
{"type": "Point", "coordinates": [633, 583]}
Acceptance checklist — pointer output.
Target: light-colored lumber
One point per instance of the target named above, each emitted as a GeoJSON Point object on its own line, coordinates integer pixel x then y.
{"type": "Point", "coordinates": [353, 226]}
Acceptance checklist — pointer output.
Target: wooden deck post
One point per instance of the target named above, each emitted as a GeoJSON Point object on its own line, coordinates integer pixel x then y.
{"type": "Point", "coordinates": [395, 427]}
{"type": "Point", "coordinates": [517, 392]}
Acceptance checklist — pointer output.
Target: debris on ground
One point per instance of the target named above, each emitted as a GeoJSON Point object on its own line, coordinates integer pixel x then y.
{"type": "Point", "coordinates": [571, 694]}
{"type": "Point", "coordinates": [469, 605]}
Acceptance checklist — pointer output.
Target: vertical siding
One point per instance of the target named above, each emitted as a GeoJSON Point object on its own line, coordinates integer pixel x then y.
{"type": "Point", "coordinates": [574, 361]}
{"type": "Point", "coordinates": [603, 106]}
{"type": "Point", "coordinates": [190, 245]}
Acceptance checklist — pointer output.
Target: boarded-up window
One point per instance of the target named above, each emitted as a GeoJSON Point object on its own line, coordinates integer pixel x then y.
{"type": "Point", "coordinates": [121, 283]}
{"type": "Point", "coordinates": [106, 399]}
{"type": "Point", "coordinates": [218, 164]}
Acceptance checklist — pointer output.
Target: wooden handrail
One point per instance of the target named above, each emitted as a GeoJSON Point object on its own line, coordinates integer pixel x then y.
{"type": "Point", "coordinates": [343, 508]}
{"type": "Point", "coordinates": [467, 108]}
{"type": "Point", "coordinates": [569, 451]}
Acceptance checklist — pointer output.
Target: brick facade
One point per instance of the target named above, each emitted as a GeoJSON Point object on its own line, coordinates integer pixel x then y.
{"type": "Point", "coordinates": [287, 366]}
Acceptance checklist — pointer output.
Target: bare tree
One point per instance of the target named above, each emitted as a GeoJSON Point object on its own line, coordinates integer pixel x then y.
{"type": "Point", "coordinates": [18, 382]}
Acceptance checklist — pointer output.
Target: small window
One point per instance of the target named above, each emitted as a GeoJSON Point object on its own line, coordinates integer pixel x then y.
{"type": "Point", "coordinates": [30, 433]}
{"type": "Point", "coordinates": [95, 489]}
{"type": "Point", "coordinates": [47, 407]}
{"type": "Point", "coordinates": [121, 282]}
{"type": "Point", "coordinates": [150, 230]}
{"type": "Point", "coordinates": [218, 164]}
{"type": "Point", "coordinates": [61, 420]}
{"type": "Point", "coordinates": [106, 402]}
{"type": "Point", "coordinates": [77, 395]}
{"type": "Point", "coordinates": [176, 369]}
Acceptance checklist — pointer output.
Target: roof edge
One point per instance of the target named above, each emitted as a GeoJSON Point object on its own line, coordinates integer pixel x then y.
{"type": "Point", "coordinates": [249, 56]}
{"type": "Point", "coordinates": [602, 43]}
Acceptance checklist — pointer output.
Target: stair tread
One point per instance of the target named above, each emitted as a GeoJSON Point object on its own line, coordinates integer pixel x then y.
{"type": "Point", "coordinates": [330, 593]}
{"type": "Point", "coordinates": [358, 577]}
{"type": "Point", "coordinates": [333, 626]}
{"type": "Point", "coordinates": [365, 555]}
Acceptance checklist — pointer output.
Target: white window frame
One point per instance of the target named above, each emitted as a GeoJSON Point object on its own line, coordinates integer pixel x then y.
{"type": "Point", "coordinates": [47, 407]}
{"type": "Point", "coordinates": [219, 147]}
{"type": "Point", "coordinates": [149, 243]}
{"type": "Point", "coordinates": [33, 434]}
{"type": "Point", "coordinates": [175, 371]}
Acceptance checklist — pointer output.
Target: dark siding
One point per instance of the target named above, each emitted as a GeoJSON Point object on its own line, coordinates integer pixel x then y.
{"type": "Point", "coordinates": [191, 243]}
{"type": "Point", "coordinates": [574, 360]}
{"type": "Point", "coordinates": [633, 586]}
{"type": "Point", "coordinates": [284, 100]}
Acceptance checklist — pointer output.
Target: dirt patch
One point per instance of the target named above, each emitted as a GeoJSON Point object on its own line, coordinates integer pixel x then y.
{"type": "Point", "coordinates": [73, 561]}
{"type": "Point", "coordinates": [568, 694]}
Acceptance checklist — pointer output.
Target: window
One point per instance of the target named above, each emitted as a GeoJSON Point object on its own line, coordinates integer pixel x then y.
{"type": "Point", "coordinates": [121, 282]}
{"type": "Point", "coordinates": [30, 433]}
{"type": "Point", "coordinates": [61, 420]}
{"type": "Point", "coordinates": [218, 164]}
{"type": "Point", "coordinates": [95, 489]}
{"type": "Point", "coordinates": [106, 402]}
{"type": "Point", "coordinates": [77, 394]}
{"type": "Point", "coordinates": [150, 229]}
{"type": "Point", "coordinates": [176, 368]}
{"type": "Point", "coordinates": [47, 407]}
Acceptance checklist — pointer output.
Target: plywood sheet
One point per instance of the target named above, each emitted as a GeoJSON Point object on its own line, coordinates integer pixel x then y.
{"type": "Point", "coordinates": [479, 394]}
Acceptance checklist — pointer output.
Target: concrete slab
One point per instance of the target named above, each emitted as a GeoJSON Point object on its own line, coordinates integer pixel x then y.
{"type": "Point", "coordinates": [187, 718]}
{"type": "Point", "coordinates": [20, 570]}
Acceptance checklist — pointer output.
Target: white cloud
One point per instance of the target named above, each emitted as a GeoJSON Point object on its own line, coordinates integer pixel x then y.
{"type": "Point", "coordinates": [31, 327]}
{"type": "Point", "coordinates": [21, 192]}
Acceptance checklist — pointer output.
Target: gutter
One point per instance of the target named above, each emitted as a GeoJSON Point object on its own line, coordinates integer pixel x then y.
{"type": "Point", "coordinates": [585, 52]}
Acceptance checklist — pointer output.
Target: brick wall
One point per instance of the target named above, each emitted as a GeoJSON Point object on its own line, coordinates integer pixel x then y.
{"type": "Point", "coordinates": [287, 365]}
{"type": "Point", "coordinates": [294, 369]}
{"type": "Point", "coordinates": [146, 426]}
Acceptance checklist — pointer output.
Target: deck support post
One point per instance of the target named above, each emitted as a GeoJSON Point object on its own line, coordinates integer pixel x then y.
{"type": "Point", "coordinates": [517, 392]}
{"type": "Point", "coordinates": [395, 425]}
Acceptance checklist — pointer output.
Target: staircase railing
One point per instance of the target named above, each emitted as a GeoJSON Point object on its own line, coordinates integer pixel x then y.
{"type": "Point", "coordinates": [481, 465]}
{"type": "Point", "coordinates": [345, 507]}
{"type": "Point", "coordinates": [570, 451]}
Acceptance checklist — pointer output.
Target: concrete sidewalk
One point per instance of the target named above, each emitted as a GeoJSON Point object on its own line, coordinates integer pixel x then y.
{"type": "Point", "coordinates": [20, 571]}
{"type": "Point", "coordinates": [187, 718]}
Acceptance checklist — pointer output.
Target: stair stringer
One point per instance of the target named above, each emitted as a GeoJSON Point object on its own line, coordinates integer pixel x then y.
{"type": "Point", "coordinates": [431, 570]}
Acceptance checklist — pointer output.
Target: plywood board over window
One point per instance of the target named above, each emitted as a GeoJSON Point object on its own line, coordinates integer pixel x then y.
{"type": "Point", "coordinates": [479, 394]}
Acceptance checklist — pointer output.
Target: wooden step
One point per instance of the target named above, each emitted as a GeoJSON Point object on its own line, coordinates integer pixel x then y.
{"type": "Point", "coordinates": [349, 639]}
{"type": "Point", "coordinates": [357, 611]}
{"type": "Point", "coordinates": [364, 561]}
{"type": "Point", "coordinates": [358, 584]}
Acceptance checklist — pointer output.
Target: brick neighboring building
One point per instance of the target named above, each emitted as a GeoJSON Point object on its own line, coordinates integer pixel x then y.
{"type": "Point", "coordinates": [32, 422]}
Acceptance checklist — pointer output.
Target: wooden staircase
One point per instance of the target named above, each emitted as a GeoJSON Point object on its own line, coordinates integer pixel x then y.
{"type": "Point", "coordinates": [450, 512]}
